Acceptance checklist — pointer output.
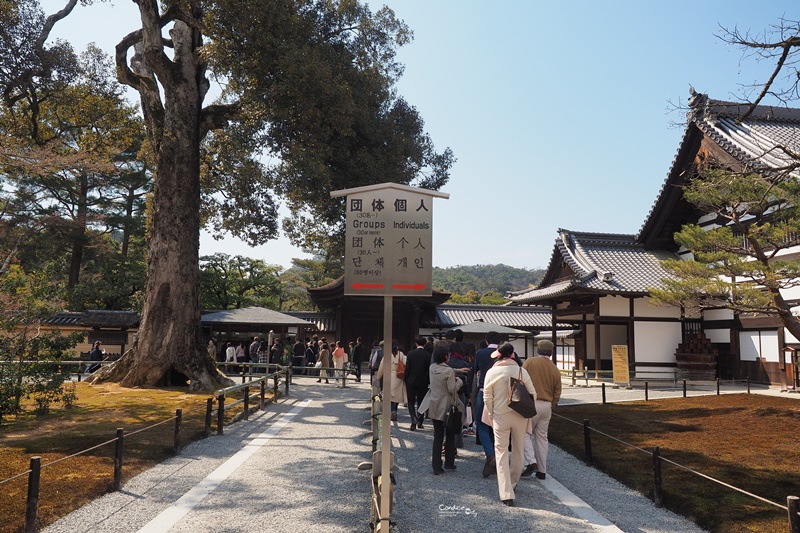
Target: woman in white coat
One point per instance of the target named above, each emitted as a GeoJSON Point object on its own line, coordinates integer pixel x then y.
{"type": "Point", "coordinates": [508, 425]}
{"type": "Point", "coordinates": [398, 385]}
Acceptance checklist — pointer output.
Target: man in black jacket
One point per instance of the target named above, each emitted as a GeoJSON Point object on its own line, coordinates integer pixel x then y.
{"type": "Point", "coordinates": [359, 351]}
{"type": "Point", "coordinates": [417, 378]}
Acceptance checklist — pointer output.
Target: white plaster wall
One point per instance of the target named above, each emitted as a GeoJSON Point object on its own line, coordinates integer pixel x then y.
{"type": "Point", "coordinates": [642, 307]}
{"type": "Point", "coordinates": [755, 344]}
{"type": "Point", "coordinates": [717, 314]}
{"type": "Point", "coordinates": [656, 342]}
{"type": "Point", "coordinates": [614, 306]}
{"type": "Point", "coordinates": [718, 335]}
{"type": "Point", "coordinates": [707, 218]}
{"type": "Point", "coordinates": [655, 372]}
{"type": "Point", "coordinates": [791, 294]}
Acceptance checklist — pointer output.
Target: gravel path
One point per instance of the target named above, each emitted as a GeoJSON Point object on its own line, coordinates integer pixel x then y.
{"type": "Point", "coordinates": [293, 469]}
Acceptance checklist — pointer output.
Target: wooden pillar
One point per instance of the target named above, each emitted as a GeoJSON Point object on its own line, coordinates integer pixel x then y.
{"type": "Point", "coordinates": [631, 336]}
{"type": "Point", "coordinates": [553, 329]}
{"type": "Point", "coordinates": [596, 335]}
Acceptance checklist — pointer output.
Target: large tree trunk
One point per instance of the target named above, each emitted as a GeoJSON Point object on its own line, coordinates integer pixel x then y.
{"type": "Point", "coordinates": [78, 234]}
{"type": "Point", "coordinates": [169, 349]}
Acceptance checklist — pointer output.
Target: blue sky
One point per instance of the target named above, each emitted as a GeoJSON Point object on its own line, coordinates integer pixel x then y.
{"type": "Point", "coordinates": [558, 112]}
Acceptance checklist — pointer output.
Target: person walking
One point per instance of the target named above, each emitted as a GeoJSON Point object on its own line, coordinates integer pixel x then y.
{"type": "Point", "coordinates": [463, 370]}
{"type": "Point", "coordinates": [417, 378]}
{"type": "Point", "coordinates": [547, 381]}
{"type": "Point", "coordinates": [263, 356]}
{"type": "Point", "coordinates": [339, 356]}
{"type": "Point", "coordinates": [397, 382]}
{"type": "Point", "coordinates": [298, 356]}
{"type": "Point", "coordinates": [508, 426]}
{"type": "Point", "coordinates": [325, 359]}
{"type": "Point", "coordinates": [444, 387]}
{"type": "Point", "coordinates": [230, 356]}
{"type": "Point", "coordinates": [375, 357]}
{"type": "Point", "coordinates": [483, 362]}
{"type": "Point", "coordinates": [212, 348]}
{"type": "Point", "coordinates": [254, 350]}
{"type": "Point", "coordinates": [276, 352]}
{"type": "Point", "coordinates": [359, 352]}
{"type": "Point", "coordinates": [95, 356]}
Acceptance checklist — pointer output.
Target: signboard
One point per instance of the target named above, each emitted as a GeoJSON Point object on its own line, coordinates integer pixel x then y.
{"type": "Point", "coordinates": [619, 360]}
{"type": "Point", "coordinates": [389, 240]}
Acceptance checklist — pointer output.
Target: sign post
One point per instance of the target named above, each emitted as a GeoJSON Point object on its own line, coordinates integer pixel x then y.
{"type": "Point", "coordinates": [619, 361]}
{"type": "Point", "coordinates": [388, 252]}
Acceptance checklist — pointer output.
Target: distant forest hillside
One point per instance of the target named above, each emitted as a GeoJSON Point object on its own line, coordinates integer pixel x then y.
{"type": "Point", "coordinates": [481, 280]}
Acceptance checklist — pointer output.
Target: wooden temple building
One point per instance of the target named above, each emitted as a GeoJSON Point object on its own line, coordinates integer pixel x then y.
{"type": "Point", "coordinates": [599, 282]}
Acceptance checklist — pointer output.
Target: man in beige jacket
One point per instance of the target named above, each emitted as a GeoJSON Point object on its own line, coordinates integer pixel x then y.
{"type": "Point", "coordinates": [546, 380]}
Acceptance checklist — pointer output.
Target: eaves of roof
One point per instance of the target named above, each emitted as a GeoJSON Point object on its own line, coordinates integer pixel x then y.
{"type": "Point", "coordinates": [603, 264]}
{"type": "Point", "coordinates": [454, 315]}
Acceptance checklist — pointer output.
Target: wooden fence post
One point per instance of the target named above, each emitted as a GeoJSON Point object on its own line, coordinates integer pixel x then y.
{"type": "Point", "coordinates": [717, 386]}
{"type": "Point", "coordinates": [587, 442]}
{"type": "Point", "coordinates": [220, 413]}
{"type": "Point", "coordinates": [684, 388]}
{"type": "Point", "coordinates": [32, 507]}
{"type": "Point", "coordinates": [288, 371]}
{"type": "Point", "coordinates": [118, 459]}
{"type": "Point", "coordinates": [262, 394]}
{"type": "Point", "coordinates": [275, 385]}
{"type": "Point", "coordinates": [793, 503]}
{"type": "Point", "coordinates": [247, 403]}
{"type": "Point", "coordinates": [209, 408]}
{"type": "Point", "coordinates": [176, 441]}
{"type": "Point", "coordinates": [603, 386]}
{"type": "Point", "coordinates": [657, 495]}
{"type": "Point", "coordinates": [646, 391]}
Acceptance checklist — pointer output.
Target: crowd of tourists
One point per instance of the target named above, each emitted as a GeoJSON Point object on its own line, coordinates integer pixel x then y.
{"type": "Point", "coordinates": [460, 389]}
{"type": "Point", "coordinates": [464, 391]}
{"type": "Point", "coordinates": [311, 356]}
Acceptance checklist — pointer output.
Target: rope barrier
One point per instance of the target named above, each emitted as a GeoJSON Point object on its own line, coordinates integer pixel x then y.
{"type": "Point", "coordinates": [673, 463]}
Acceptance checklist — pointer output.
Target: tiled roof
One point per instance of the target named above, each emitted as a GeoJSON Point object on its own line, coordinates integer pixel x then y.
{"type": "Point", "coordinates": [65, 318]}
{"type": "Point", "coordinates": [96, 319]}
{"type": "Point", "coordinates": [252, 315]}
{"type": "Point", "coordinates": [760, 141]}
{"type": "Point", "coordinates": [325, 322]}
{"type": "Point", "coordinates": [110, 319]}
{"type": "Point", "coordinates": [454, 315]}
{"type": "Point", "coordinates": [602, 263]}
{"type": "Point", "coordinates": [560, 334]}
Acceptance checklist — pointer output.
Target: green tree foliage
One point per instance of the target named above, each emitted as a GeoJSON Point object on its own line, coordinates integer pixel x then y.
{"type": "Point", "coordinates": [70, 168]}
{"type": "Point", "coordinates": [483, 284]}
{"type": "Point", "coordinates": [28, 358]}
{"type": "Point", "coordinates": [309, 83]}
{"type": "Point", "coordinates": [306, 274]}
{"type": "Point", "coordinates": [85, 126]}
{"type": "Point", "coordinates": [739, 263]}
{"type": "Point", "coordinates": [317, 80]}
{"type": "Point", "coordinates": [234, 282]}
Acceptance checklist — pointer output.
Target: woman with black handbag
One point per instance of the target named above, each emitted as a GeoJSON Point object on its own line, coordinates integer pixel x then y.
{"type": "Point", "coordinates": [444, 387]}
{"type": "Point", "coordinates": [508, 425]}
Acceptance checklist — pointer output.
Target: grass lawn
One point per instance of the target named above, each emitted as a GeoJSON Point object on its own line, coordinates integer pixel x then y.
{"type": "Point", "coordinates": [748, 441]}
{"type": "Point", "coordinates": [98, 412]}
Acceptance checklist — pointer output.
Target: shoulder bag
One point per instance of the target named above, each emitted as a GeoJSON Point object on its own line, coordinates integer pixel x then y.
{"type": "Point", "coordinates": [519, 399]}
